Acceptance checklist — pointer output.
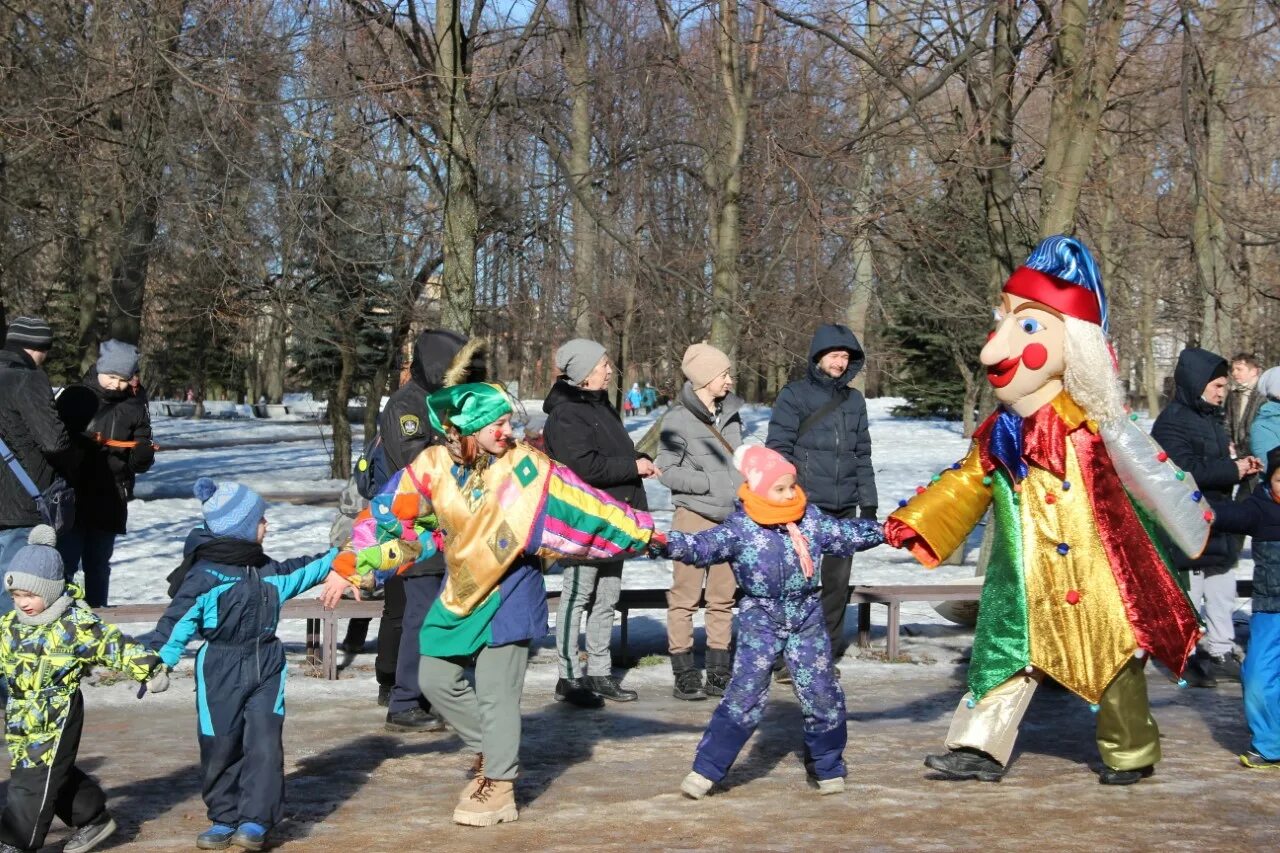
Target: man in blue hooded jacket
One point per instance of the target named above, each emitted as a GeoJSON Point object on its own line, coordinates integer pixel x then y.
{"type": "Point", "coordinates": [820, 424]}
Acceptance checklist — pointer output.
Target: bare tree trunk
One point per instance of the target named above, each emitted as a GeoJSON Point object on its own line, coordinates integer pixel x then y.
{"type": "Point", "coordinates": [1209, 71]}
{"type": "Point", "coordinates": [461, 215]}
{"type": "Point", "coordinates": [584, 225]}
{"type": "Point", "coordinates": [724, 167]}
{"type": "Point", "coordinates": [999, 188]}
{"type": "Point", "coordinates": [339, 397]}
{"type": "Point", "coordinates": [862, 211]}
{"type": "Point", "coordinates": [1081, 78]}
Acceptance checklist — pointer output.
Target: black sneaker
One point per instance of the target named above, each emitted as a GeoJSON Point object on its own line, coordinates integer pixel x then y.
{"type": "Point", "coordinates": [688, 686]}
{"type": "Point", "coordinates": [90, 835]}
{"type": "Point", "coordinates": [573, 691]}
{"type": "Point", "coordinates": [384, 695]}
{"type": "Point", "coordinates": [1110, 776]}
{"type": "Point", "coordinates": [717, 682]}
{"type": "Point", "coordinates": [965, 763]}
{"type": "Point", "coordinates": [1197, 672]}
{"type": "Point", "coordinates": [608, 687]}
{"type": "Point", "coordinates": [414, 720]}
{"type": "Point", "coordinates": [1224, 667]}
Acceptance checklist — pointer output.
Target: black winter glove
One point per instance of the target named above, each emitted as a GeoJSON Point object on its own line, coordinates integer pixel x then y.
{"type": "Point", "coordinates": [867, 512]}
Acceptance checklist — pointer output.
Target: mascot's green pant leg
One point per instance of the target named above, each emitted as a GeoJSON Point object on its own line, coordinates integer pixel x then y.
{"type": "Point", "coordinates": [1127, 736]}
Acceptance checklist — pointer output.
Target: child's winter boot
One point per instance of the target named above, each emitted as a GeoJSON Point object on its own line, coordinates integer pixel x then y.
{"type": "Point", "coordinates": [492, 802]}
{"type": "Point", "coordinates": [89, 836]}
{"type": "Point", "coordinates": [719, 669]}
{"type": "Point", "coordinates": [830, 786]}
{"type": "Point", "coordinates": [216, 837]}
{"type": "Point", "coordinates": [250, 836]}
{"type": "Point", "coordinates": [696, 785]}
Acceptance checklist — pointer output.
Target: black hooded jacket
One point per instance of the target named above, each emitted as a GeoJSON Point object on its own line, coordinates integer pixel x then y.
{"type": "Point", "coordinates": [1192, 432]}
{"type": "Point", "coordinates": [833, 457]}
{"type": "Point", "coordinates": [585, 433]}
{"type": "Point", "coordinates": [105, 477]}
{"type": "Point", "coordinates": [404, 425]}
{"type": "Point", "coordinates": [30, 426]}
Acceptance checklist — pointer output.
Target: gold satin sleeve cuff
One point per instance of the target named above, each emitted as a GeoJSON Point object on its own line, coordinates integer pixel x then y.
{"type": "Point", "coordinates": [943, 514]}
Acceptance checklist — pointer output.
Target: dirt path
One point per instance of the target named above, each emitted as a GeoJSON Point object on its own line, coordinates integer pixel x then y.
{"type": "Point", "coordinates": [607, 780]}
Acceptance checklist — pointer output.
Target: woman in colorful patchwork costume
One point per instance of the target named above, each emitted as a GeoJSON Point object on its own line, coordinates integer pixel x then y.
{"type": "Point", "coordinates": [501, 507]}
{"type": "Point", "coordinates": [1078, 587]}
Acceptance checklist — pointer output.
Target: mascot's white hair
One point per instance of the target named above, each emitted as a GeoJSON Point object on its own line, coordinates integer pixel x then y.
{"type": "Point", "coordinates": [1090, 373]}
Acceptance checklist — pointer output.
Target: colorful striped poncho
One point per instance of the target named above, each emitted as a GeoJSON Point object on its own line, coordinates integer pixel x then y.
{"type": "Point", "coordinates": [495, 520]}
{"type": "Point", "coordinates": [1077, 584]}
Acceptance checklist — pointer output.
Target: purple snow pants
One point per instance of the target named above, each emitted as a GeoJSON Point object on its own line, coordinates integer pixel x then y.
{"type": "Point", "coordinates": [796, 628]}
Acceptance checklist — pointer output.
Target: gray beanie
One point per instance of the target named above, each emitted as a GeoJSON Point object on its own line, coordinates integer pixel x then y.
{"type": "Point", "coordinates": [577, 358]}
{"type": "Point", "coordinates": [118, 358]}
{"type": "Point", "coordinates": [37, 567]}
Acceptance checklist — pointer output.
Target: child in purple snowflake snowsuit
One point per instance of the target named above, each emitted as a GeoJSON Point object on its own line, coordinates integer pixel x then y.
{"type": "Point", "coordinates": [772, 540]}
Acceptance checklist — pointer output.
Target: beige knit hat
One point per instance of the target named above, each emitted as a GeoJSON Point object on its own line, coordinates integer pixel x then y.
{"type": "Point", "coordinates": [703, 363]}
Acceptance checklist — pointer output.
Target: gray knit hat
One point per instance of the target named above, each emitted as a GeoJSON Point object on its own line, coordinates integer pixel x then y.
{"type": "Point", "coordinates": [37, 567]}
{"type": "Point", "coordinates": [29, 333]}
{"type": "Point", "coordinates": [578, 357]}
{"type": "Point", "coordinates": [118, 358]}
{"type": "Point", "coordinates": [230, 509]}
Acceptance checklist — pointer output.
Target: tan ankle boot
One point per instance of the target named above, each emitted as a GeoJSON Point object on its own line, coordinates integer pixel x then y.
{"type": "Point", "coordinates": [477, 773]}
{"type": "Point", "coordinates": [492, 802]}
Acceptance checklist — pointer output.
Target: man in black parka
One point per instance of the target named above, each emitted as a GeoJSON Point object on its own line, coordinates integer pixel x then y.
{"type": "Point", "coordinates": [820, 424]}
{"type": "Point", "coordinates": [1191, 430]}
{"type": "Point", "coordinates": [440, 357]}
{"type": "Point", "coordinates": [29, 424]}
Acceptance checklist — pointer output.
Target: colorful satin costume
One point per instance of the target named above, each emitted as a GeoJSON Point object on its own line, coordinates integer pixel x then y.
{"type": "Point", "coordinates": [1077, 587]}
{"type": "Point", "coordinates": [496, 521]}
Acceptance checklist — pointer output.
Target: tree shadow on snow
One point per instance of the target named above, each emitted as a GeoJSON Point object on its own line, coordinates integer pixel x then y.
{"type": "Point", "coordinates": [560, 736]}
{"type": "Point", "coordinates": [322, 782]}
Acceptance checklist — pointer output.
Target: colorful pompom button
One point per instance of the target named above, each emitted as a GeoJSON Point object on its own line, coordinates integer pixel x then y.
{"type": "Point", "coordinates": [1208, 515]}
{"type": "Point", "coordinates": [1017, 487]}
{"type": "Point", "coordinates": [1063, 548]}
{"type": "Point", "coordinates": [1133, 416]}
{"type": "Point", "coordinates": [1051, 498]}
{"type": "Point", "coordinates": [972, 703]}
{"type": "Point", "coordinates": [1162, 456]}
{"type": "Point", "coordinates": [1182, 682]}
{"type": "Point", "coordinates": [919, 490]}
{"type": "Point", "coordinates": [902, 503]}
{"type": "Point", "coordinates": [1073, 597]}
{"type": "Point", "coordinates": [1181, 475]}
{"type": "Point", "coordinates": [1066, 485]}
{"type": "Point", "coordinates": [955, 466]}
{"type": "Point", "coordinates": [1095, 708]}
{"type": "Point", "coordinates": [986, 481]}
{"type": "Point", "coordinates": [1196, 496]}
{"type": "Point", "coordinates": [935, 478]}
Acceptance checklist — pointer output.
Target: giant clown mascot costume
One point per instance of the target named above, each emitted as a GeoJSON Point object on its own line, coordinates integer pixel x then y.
{"type": "Point", "coordinates": [1078, 586]}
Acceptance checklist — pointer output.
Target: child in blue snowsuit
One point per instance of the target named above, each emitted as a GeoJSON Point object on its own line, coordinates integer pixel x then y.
{"type": "Point", "coordinates": [772, 541]}
{"type": "Point", "coordinates": [229, 593]}
{"type": "Point", "coordinates": [1259, 516]}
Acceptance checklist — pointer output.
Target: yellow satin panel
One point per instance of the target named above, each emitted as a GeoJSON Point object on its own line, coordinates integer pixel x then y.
{"type": "Point", "coordinates": [1081, 645]}
{"type": "Point", "coordinates": [484, 532]}
{"type": "Point", "coordinates": [945, 512]}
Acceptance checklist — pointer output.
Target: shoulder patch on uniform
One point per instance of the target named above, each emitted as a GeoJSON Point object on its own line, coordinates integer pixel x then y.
{"type": "Point", "coordinates": [409, 424]}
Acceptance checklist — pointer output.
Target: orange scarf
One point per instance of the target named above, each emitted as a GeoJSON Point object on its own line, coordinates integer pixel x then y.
{"type": "Point", "coordinates": [768, 513]}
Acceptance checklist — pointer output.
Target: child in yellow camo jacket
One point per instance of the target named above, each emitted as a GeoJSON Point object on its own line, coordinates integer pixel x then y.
{"type": "Point", "coordinates": [47, 643]}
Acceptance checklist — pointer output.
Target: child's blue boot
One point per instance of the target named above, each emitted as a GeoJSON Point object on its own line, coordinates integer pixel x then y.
{"type": "Point", "coordinates": [216, 837]}
{"type": "Point", "coordinates": [250, 836]}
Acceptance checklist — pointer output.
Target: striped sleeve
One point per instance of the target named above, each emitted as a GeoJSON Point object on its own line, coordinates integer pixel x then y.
{"type": "Point", "coordinates": [584, 523]}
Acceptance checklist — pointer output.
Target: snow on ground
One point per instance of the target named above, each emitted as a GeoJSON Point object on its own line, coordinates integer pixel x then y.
{"type": "Point", "coordinates": [905, 454]}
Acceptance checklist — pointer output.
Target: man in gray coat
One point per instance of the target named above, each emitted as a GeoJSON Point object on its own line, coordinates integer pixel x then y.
{"type": "Point", "coordinates": [696, 443]}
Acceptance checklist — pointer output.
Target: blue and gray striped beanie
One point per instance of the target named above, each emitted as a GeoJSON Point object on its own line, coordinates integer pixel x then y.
{"type": "Point", "coordinates": [230, 509]}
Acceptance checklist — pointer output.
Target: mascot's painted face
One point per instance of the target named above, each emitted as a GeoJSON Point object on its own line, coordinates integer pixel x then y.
{"type": "Point", "coordinates": [1025, 351]}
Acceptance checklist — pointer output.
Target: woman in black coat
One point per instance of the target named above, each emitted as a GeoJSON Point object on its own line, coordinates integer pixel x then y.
{"type": "Point", "coordinates": [109, 422]}
{"type": "Point", "coordinates": [584, 432]}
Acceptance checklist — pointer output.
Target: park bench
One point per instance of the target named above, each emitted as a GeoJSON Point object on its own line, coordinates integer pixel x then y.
{"type": "Point", "coordinates": [322, 625]}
